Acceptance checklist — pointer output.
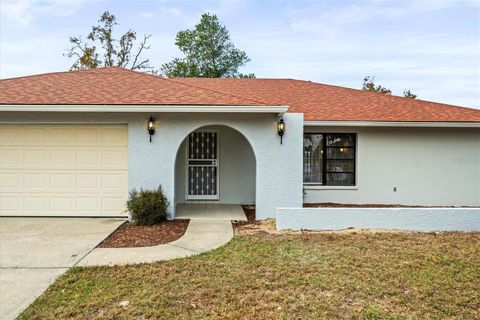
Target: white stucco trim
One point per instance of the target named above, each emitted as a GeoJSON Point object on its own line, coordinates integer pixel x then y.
{"type": "Point", "coordinates": [414, 219]}
{"type": "Point", "coordinates": [409, 124]}
{"type": "Point", "coordinates": [146, 108]}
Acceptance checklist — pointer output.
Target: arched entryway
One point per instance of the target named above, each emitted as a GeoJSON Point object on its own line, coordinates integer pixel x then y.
{"type": "Point", "coordinates": [215, 164]}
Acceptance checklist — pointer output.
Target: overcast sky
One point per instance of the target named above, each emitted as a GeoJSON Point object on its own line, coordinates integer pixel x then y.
{"type": "Point", "coordinates": [431, 47]}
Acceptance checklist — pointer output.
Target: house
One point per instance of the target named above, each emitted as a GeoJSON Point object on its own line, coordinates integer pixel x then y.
{"type": "Point", "coordinates": [74, 143]}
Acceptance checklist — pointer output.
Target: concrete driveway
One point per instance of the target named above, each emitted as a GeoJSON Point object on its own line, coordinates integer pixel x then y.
{"type": "Point", "coordinates": [35, 251]}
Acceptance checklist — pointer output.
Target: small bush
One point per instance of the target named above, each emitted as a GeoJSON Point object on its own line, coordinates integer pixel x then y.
{"type": "Point", "coordinates": [147, 207]}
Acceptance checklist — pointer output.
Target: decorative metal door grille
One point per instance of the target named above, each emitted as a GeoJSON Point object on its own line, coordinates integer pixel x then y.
{"type": "Point", "coordinates": [202, 165]}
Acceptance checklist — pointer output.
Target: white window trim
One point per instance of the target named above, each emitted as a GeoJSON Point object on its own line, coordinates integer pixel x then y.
{"type": "Point", "coordinates": [322, 187]}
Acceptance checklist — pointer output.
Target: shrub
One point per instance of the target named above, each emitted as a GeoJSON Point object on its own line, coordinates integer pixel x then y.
{"type": "Point", "coordinates": [147, 207]}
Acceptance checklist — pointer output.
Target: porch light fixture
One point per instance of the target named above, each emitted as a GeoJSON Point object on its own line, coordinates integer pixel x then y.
{"type": "Point", "coordinates": [151, 127]}
{"type": "Point", "coordinates": [281, 129]}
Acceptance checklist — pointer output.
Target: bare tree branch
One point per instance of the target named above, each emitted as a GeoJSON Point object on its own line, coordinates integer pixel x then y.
{"type": "Point", "coordinates": [139, 52]}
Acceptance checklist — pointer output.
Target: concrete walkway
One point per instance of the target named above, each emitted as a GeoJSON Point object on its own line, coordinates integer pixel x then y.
{"type": "Point", "coordinates": [35, 251]}
{"type": "Point", "coordinates": [210, 211]}
{"type": "Point", "coordinates": [202, 235]}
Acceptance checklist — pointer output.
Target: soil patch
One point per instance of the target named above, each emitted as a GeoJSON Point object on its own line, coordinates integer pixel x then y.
{"type": "Point", "coordinates": [249, 211]}
{"type": "Point", "coordinates": [267, 228]}
{"type": "Point", "coordinates": [130, 235]}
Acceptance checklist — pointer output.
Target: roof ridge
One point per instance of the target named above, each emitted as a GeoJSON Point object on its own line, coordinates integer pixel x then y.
{"type": "Point", "coordinates": [62, 72]}
{"type": "Point", "coordinates": [358, 91]}
{"type": "Point", "coordinates": [157, 77]}
{"type": "Point", "coordinates": [218, 91]}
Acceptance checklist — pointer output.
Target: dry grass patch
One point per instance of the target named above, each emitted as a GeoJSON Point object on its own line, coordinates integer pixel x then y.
{"type": "Point", "coordinates": [289, 276]}
{"type": "Point", "coordinates": [268, 227]}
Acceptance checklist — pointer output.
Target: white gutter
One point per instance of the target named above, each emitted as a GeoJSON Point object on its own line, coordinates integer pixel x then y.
{"type": "Point", "coordinates": [143, 108]}
{"type": "Point", "coordinates": [392, 124]}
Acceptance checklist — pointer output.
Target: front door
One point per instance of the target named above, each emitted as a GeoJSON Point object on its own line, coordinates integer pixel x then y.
{"type": "Point", "coordinates": [202, 165]}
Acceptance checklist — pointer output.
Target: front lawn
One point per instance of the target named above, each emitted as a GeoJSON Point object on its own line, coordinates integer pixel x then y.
{"type": "Point", "coordinates": [292, 276]}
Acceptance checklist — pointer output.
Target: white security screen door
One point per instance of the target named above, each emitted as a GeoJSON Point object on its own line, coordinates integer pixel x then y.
{"type": "Point", "coordinates": [202, 165]}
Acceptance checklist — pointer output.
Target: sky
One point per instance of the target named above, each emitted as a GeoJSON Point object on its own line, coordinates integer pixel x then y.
{"type": "Point", "coordinates": [431, 47]}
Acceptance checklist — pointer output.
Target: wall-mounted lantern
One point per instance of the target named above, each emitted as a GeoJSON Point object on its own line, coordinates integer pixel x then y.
{"type": "Point", "coordinates": [151, 127]}
{"type": "Point", "coordinates": [281, 129]}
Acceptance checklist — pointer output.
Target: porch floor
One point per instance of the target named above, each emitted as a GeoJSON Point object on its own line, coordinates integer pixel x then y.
{"type": "Point", "coordinates": [210, 211]}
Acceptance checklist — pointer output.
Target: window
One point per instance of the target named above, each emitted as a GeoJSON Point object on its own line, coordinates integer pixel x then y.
{"type": "Point", "coordinates": [329, 159]}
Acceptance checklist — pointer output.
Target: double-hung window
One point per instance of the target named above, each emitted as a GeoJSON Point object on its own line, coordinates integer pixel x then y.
{"type": "Point", "coordinates": [329, 159]}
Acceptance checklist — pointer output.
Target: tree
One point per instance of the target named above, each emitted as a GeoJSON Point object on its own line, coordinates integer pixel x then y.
{"type": "Point", "coordinates": [101, 49]}
{"type": "Point", "coordinates": [409, 94]}
{"type": "Point", "coordinates": [209, 52]}
{"type": "Point", "coordinates": [369, 85]}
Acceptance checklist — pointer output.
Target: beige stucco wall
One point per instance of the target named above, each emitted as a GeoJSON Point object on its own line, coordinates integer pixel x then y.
{"type": "Point", "coordinates": [236, 168]}
{"type": "Point", "coordinates": [428, 166]}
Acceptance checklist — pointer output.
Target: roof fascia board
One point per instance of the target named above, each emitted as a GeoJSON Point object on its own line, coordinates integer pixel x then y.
{"type": "Point", "coordinates": [145, 108]}
{"type": "Point", "coordinates": [411, 124]}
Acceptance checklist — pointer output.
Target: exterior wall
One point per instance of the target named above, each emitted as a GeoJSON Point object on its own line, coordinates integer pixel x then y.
{"type": "Point", "coordinates": [278, 166]}
{"type": "Point", "coordinates": [428, 166]}
{"type": "Point", "coordinates": [414, 219]}
{"type": "Point", "coordinates": [236, 168]}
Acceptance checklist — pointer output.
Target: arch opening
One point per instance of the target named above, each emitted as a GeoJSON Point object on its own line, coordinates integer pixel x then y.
{"type": "Point", "coordinates": [234, 167]}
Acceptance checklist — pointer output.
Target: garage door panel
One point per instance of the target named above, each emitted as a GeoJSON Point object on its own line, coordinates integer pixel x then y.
{"type": "Point", "coordinates": [34, 158]}
{"type": "Point", "coordinates": [36, 136]}
{"type": "Point", "coordinates": [62, 204]}
{"type": "Point", "coordinates": [11, 204]}
{"type": "Point", "coordinates": [61, 181]}
{"type": "Point", "coordinates": [88, 158]}
{"type": "Point", "coordinates": [10, 181]}
{"type": "Point", "coordinates": [85, 204]}
{"type": "Point", "coordinates": [112, 204]}
{"type": "Point", "coordinates": [88, 181]}
{"type": "Point", "coordinates": [113, 181]}
{"type": "Point", "coordinates": [61, 157]}
{"type": "Point", "coordinates": [63, 170]}
{"type": "Point", "coordinates": [10, 157]}
{"type": "Point", "coordinates": [34, 204]}
{"type": "Point", "coordinates": [87, 136]}
{"type": "Point", "coordinates": [114, 159]}
{"type": "Point", "coordinates": [10, 135]}
{"type": "Point", "coordinates": [61, 136]}
{"type": "Point", "coordinates": [35, 181]}
{"type": "Point", "coordinates": [114, 137]}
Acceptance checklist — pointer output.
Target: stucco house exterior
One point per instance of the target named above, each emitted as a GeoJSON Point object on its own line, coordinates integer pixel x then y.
{"type": "Point", "coordinates": [74, 143]}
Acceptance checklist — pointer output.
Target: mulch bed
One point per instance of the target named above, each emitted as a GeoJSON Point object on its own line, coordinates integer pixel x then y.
{"type": "Point", "coordinates": [250, 213]}
{"type": "Point", "coordinates": [130, 235]}
{"type": "Point", "coordinates": [344, 205]}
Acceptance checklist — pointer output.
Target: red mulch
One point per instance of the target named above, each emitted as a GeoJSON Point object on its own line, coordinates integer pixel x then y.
{"type": "Point", "coordinates": [345, 205]}
{"type": "Point", "coordinates": [129, 235]}
{"type": "Point", "coordinates": [250, 213]}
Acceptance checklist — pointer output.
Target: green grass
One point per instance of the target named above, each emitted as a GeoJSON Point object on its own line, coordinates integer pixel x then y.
{"type": "Point", "coordinates": [356, 276]}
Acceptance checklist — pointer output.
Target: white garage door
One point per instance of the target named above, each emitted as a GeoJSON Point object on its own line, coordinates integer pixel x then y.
{"type": "Point", "coordinates": [67, 170]}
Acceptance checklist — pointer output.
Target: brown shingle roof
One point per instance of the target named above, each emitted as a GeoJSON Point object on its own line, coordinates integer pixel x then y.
{"type": "Point", "coordinates": [326, 102]}
{"type": "Point", "coordinates": [110, 86]}
{"type": "Point", "coordinates": [115, 86]}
